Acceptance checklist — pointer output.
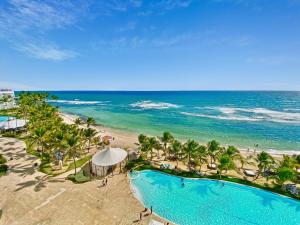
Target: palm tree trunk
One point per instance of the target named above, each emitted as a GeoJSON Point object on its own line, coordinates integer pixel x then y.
{"type": "Point", "coordinates": [74, 161]}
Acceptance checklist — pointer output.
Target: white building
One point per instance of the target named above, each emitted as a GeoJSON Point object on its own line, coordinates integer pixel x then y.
{"type": "Point", "coordinates": [9, 103]}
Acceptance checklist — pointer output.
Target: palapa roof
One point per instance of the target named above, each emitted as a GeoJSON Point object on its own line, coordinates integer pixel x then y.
{"type": "Point", "coordinates": [109, 157]}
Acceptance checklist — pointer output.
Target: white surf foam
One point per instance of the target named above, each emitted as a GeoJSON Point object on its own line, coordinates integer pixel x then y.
{"type": "Point", "coordinates": [253, 114]}
{"type": "Point", "coordinates": [238, 118]}
{"type": "Point", "coordinates": [153, 105]}
{"type": "Point", "coordinates": [77, 102]}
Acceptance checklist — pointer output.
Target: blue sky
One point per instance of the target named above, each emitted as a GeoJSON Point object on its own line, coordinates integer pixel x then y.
{"type": "Point", "coordinates": [150, 45]}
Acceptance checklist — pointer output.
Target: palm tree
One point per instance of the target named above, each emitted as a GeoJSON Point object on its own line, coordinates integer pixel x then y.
{"type": "Point", "coordinates": [189, 148]}
{"type": "Point", "coordinates": [141, 138]}
{"type": "Point", "coordinates": [90, 121]}
{"type": "Point", "coordinates": [201, 155]}
{"type": "Point", "coordinates": [153, 144]}
{"type": "Point", "coordinates": [73, 145]}
{"type": "Point", "coordinates": [265, 161]}
{"type": "Point", "coordinates": [78, 121]}
{"type": "Point", "coordinates": [144, 146]}
{"type": "Point", "coordinates": [175, 149]}
{"type": "Point", "coordinates": [166, 139]}
{"type": "Point", "coordinates": [54, 98]}
{"type": "Point", "coordinates": [225, 163]}
{"type": "Point", "coordinates": [89, 133]}
{"type": "Point", "coordinates": [284, 174]}
{"type": "Point", "coordinates": [213, 148]}
{"type": "Point", "coordinates": [148, 144]}
{"type": "Point", "coordinates": [245, 160]}
{"type": "Point", "coordinates": [38, 137]}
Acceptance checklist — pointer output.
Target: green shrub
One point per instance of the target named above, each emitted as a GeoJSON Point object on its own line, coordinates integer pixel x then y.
{"type": "Point", "coordinates": [79, 162]}
{"type": "Point", "coordinates": [2, 159]}
{"type": "Point", "coordinates": [3, 169]}
{"type": "Point", "coordinates": [138, 162]}
{"type": "Point", "coordinates": [79, 177]}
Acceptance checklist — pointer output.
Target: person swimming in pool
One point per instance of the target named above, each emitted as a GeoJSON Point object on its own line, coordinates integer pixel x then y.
{"type": "Point", "coordinates": [182, 182]}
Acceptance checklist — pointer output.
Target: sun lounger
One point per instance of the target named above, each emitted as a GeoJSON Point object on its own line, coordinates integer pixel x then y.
{"type": "Point", "coordinates": [211, 166]}
{"type": "Point", "coordinates": [154, 222]}
{"type": "Point", "coordinates": [200, 173]}
{"type": "Point", "coordinates": [249, 173]}
{"type": "Point", "coordinates": [166, 166]}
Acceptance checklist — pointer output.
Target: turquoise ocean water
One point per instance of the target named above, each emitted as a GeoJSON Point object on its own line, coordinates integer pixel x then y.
{"type": "Point", "coordinates": [209, 202]}
{"type": "Point", "coordinates": [244, 119]}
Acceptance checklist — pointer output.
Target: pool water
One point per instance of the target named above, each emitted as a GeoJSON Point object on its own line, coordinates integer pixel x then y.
{"type": "Point", "coordinates": [210, 202]}
{"type": "Point", "coordinates": [3, 118]}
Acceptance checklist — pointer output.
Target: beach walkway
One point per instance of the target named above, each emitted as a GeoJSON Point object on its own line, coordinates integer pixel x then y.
{"type": "Point", "coordinates": [31, 197]}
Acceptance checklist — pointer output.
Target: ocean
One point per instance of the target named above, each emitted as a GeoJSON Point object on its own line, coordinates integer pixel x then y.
{"type": "Point", "coordinates": [245, 119]}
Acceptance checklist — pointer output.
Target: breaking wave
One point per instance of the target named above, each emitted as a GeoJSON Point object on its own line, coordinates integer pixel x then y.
{"type": "Point", "coordinates": [153, 105]}
{"type": "Point", "coordinates": [238, 118]}
{"type": "Point", "coordinates": [78, 102]}
{"type": "Point", "coordinates": [244, 114]}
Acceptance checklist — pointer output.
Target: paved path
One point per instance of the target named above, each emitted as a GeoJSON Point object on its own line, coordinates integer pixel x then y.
{"type": "Point", "coordinates": [31, 197]}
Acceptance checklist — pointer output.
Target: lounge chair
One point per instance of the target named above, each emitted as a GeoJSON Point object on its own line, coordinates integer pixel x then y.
{"type": "Point", "coordinates": [166, 166]}
{"type": "Point", "coordinates": [200, 173]}
{"type": "Point", "coordinates": [212, 166]}
{"type": "Point", "coordinates": [154, 222]}
{"type": "Point", "coordinates": [249, 173]}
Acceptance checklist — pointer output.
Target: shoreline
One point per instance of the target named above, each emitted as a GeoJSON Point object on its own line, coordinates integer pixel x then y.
{"type": "Point", "coordinates": [127, 139]}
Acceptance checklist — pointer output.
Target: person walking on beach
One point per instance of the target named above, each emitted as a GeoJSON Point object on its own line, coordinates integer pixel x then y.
{"type": "Point", "coordinates": [151, 210]}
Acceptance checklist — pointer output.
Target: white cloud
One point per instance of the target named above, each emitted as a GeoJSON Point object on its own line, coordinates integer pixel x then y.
{"type": "Point", "coordinates": [28, 21]}
{"type": "Point", "coordinates": [172, 4]}
{"type": "Point", "coordinates": [48, 52]}
{"type": "Point", "coordinates": [29, 15]}
{"type": "Point", "coordinates": [205, 38]}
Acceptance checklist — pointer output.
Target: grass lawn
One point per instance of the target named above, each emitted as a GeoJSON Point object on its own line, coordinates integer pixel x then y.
{"type": "Point", "coordinates": [79, 162]}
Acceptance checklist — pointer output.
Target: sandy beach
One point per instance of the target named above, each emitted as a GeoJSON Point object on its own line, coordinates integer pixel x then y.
{"type": "Point", "coordinates": [127, 139]}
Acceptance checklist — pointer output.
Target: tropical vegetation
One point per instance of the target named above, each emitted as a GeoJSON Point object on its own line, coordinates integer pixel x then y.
{"type": "Point", "coordinates": [275, 172]}
{"type": "Point", "coordinates": [59, 145]}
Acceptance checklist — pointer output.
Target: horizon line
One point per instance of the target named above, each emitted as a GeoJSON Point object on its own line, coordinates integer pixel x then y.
{"type": "Point", "coordinates": [175, 90]}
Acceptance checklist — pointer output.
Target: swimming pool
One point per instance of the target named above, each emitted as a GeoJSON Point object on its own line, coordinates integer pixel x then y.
{"type": "Point", "coordinates": [209, 202]}
{"type": "Point", "coordinates": [3, 118]}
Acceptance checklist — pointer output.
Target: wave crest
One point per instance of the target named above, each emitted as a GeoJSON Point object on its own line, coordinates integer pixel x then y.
{"type": "Point", "coordinates": [251, 114]}
{"type": "Point", "coordinates": [153, 105]}
{"type": "Point", "coordinates": [77, 102]}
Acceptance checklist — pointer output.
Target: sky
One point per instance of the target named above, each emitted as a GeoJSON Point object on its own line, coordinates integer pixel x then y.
{"type": "Point", "coordinates": [150, 44]}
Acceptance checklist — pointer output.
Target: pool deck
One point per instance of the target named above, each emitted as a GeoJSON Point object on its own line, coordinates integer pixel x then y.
{"type": "Point", "coordinates": [31, 197]}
